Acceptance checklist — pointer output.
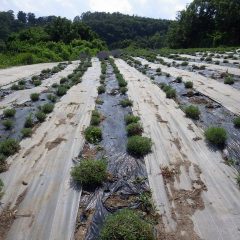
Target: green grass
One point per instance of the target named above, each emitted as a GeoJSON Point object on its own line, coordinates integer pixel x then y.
{"type": "Point", "coordinates": [139, 146]}
{"type": "Point", "coordinates": [126, 224]}
{"type": "Point", "coordinates": [229, 80]}
{"type": "Point", "coordinates": [61, 90]}
{"type": "Point", "coordinates": [93, 134]}
{"type": "Point", "coordinates": [216, 135]}
{"type": "Point", "coordinates": [29, 122]}
{"type": "Point", "coordinates": [192, 112]}
{"type": "Point", "coordinates": [90, 172]}
{"type": "Point", "coordinates": [52, 98]}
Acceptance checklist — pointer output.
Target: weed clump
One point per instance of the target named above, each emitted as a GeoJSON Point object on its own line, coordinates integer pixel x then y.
{"type": "Point", "coordinates": [10, 112]}
{"type": "Point", "coordinates": [90, 172]}
{"type": "Point", "coordinates": [179, 79]}
{"type": "Point", "coordinates": [93, 134]}
{"type": "Point", "coordinates": [61, 90]}
{"type": "Point", "coordinates": [216, 135]}
{"type": "Point", "coordinates": [96, 118]}
{"type": "Point", "coordinates": [192, 112]}
{"type": "Point", "coordinates": [52, 98]}
{"type": "Point", "coordinates": [29, 122]}
{"type": "Point", "coordinates": [124, 225]}
{"type": "Point", "coordinates": [139, 146]}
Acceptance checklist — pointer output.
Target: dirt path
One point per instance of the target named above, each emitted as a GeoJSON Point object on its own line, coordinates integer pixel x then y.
{"type": "Point", "coordinates": [193, 189]}
{"type": "Point", "coordinates": [231, 70]}
{"type": "Point", "coordinates": [214, 59]}
{"type": "Point", "coordinates": [224, 94]}
{"type": "Point", "coordinates": [42, 167]}
{"type": "Point", "coordinates": [12, 74]}
{"type": "Point", "coordinates": [22, 96]}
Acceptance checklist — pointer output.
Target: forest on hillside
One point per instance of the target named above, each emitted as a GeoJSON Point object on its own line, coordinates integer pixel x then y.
{"type": "Point", "coordinates": [26, 39]}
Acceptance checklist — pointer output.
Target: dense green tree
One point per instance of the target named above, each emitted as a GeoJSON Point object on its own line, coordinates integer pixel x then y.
{"type": "Point", "coordinates": [22, 17]}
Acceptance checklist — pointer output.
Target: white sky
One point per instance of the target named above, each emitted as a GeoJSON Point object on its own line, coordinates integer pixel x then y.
{"type": "Point", "coordinates": [70, 8]}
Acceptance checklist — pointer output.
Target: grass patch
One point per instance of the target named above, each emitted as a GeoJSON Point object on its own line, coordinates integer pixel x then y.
{"type": "Point", "coordinates": [1, 188]}
{"type": "Point", "coordinates": [139, 146]}
{"type": "Point", "coordinates": [236, 122]}
{"type": "Point", "coordinates": [10, 112]}
{"type": "Point", "coordinates": [34, 97]}
{"type": "Point", "coordinates": [93, 134]}
{"type": "Point", "coordinates": [216, 135]}
{"type": "Point", "coordinates": [52, 98]}
{"type": "Point", "coordinates": [26, 132]}
{"type": "Point", "coordinates": [179, 79]}
{"type": "Point", "coordinates": [126, 225]}
{"type": "Point", "coordinates": [134, 129]}
{"type": "Point", "coordinates": [61, 90]}
{"type": "Point", "coordinates": [90, 172]}
{"type": "Point", "coordinates": [96, 118]}
{"type": "Point", "coordinates": [37, 82]}
{"type": "Point", "coordinates": [123, 90]}
{"type": "Point", "coordinates": [192, 112]}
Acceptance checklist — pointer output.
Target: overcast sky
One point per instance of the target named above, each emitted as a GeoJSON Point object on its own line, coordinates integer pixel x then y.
{"type": "Point", "coordinates": [70, 8]}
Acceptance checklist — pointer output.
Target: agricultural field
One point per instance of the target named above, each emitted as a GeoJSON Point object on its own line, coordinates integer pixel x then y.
{"type": "Point", "coordinates": [144, 144]}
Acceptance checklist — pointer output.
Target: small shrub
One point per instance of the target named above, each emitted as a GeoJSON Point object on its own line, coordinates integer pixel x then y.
{"type": "Point", "coordinates": [134, 129]}
{"type": "Point", "coordinates": [1, 188]}
{"type": "Point", "coordinates": [216, 136]}
{"type": "Point", "coordinates": [52, 98]}
{"type": "Point", "coordinates": [131, 119]}
{"type": "Point", "coordinates": [34, 97]}
{"type": "Point", "coordinates": [26, 132]}
{"type": "Point", "coordinates": [192, 112]}
{"type": "Point", "coordinates": [179, 79]}
{"type": "Point", "coordinates": [236, 122]}
{"type": "Point", "coordinates": [47, 108]}
{"type": "Point", "coordinates": [61, 90]}
{"type": "Point", "coordinates": [29, 122]}
{"type": "Point", "coordinates": [101, 89]}
{"type": "Point", "coordinates": [99, 101]}
{"type": "Point", "coordinates": [35, 78]}
{"type": "Point", "coordinates": [139, 146]}
{"type": "Point", "coordinates": [208, 59]}
{"type": "Point", "coordinates": [8, 124]}
{"type": "Point", "coordinates": [41, 116]}
{"type": "Point", "coordinates": [10, 112]}
{"type": "Point", "coordinates": [21, 82]}
{"type": "Point", "coordinates": [90, 172]}
{"type": "Point", "coordinates": [188, 84]}
{"type": "Point", "coordinates": [9, 147]}
{"type": "Point", "coordinates": [54, 85]}
{"type": "Point", "coordinates": [229, 80]}
{"type": "Point", "coordinates": [168, 75]}
{"type": "Point", "coordinates": [225, 61]}
{"type": "Point", "coordinates": [126, 225]}
{"type": "Point", "coordinates": [93, 134]}
{"type": "Point", "coordinates": [126, 103]}
{"type": "Point", "coordinates": [158, 70]}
